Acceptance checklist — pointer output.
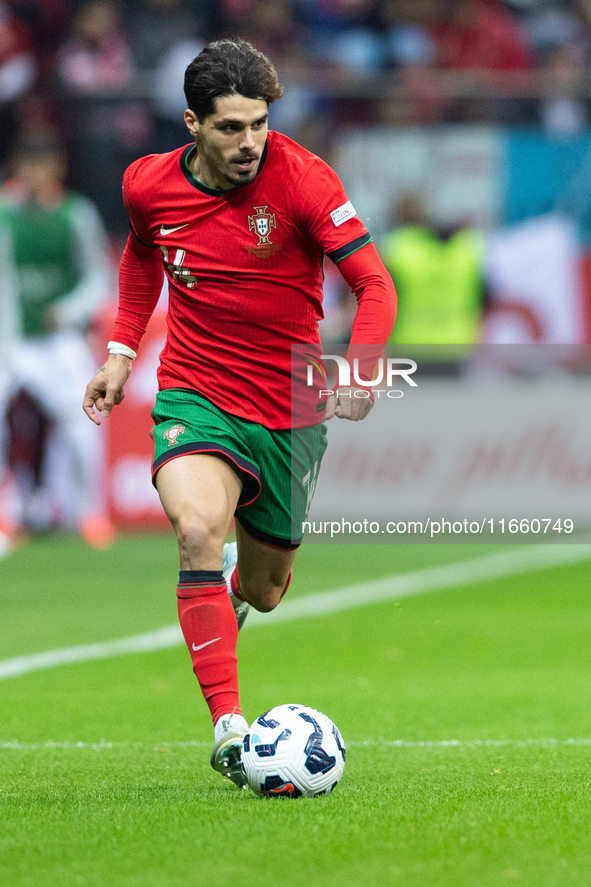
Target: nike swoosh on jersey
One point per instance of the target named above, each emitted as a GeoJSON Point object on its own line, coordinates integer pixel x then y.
{"type": "Point", "coordinates": [164, 230]}
{"type": "Point", "coordinates": [206, 644]}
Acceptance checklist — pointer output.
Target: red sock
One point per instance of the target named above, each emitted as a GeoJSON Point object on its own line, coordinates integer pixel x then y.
{"type": "Point", "coordinates": [235, 585]}
{"type": "Point", "coordinates": [210, 631]}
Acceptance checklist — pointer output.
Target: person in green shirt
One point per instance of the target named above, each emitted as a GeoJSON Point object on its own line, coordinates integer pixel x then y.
{"type": "Point", "coordinates": [55, 277]}
{"type": "Point", "coordinates": [438, 274]}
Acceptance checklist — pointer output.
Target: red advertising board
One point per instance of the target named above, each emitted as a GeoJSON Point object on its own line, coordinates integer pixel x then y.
{"type": "Point", "coordinates": [133, 502]}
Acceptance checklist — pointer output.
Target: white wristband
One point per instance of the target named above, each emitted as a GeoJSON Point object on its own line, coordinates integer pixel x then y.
{"type": "Point", "coordinates": [118, 348]}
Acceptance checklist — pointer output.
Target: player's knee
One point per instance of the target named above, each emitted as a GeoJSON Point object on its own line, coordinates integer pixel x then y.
{"type": "Point", "coordinates": [197, 535]}
{"type": "Point", "coordinates": [264, 599]}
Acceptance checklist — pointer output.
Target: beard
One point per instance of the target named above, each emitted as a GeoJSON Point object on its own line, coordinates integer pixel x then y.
{"type": "Point", "coordinates": [241, 177]}
{"type": "Point", "coordinates": [220, 167]}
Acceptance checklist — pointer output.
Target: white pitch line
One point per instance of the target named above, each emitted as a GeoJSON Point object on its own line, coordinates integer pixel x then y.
{"type": "Point", "coordinates": [471, 743]}
{"type": "Point", "coordinates": [482, 569]}
{"type": "Point", "coordinates": [458, 573]}
{"type": "Point", "coordinates": [140, 643]}
{"type": "Point", "coordinates": [15, 745]}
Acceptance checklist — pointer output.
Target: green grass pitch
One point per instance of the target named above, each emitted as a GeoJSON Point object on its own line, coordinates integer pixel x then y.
{"type": "Point", "coordinates": [104, 766]}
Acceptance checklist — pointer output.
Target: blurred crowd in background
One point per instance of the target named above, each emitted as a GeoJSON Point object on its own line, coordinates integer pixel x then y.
{"type": "Point", "coordinates": [108, 73]}
{"type": "Point", "coordinates": [461, 129]}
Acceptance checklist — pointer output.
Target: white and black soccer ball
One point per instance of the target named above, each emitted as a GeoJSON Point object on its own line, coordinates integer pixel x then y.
{"type": "Point", "coordinates": [293, 751]}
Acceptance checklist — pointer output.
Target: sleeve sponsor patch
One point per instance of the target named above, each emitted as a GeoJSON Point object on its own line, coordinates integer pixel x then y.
{"type": "Point", "coordinates": [342, 213]}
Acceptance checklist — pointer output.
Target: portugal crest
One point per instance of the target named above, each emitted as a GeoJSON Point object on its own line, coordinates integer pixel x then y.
{"type": "Point", "coordinates": [262, 222]}
{"type": "Point", "coordinates": [172, 435]}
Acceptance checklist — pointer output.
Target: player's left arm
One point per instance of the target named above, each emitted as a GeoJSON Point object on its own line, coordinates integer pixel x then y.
{"type": "Point", "coordinates": [330, 219]}
{"type": "Point", "coordinates": [365, 274]}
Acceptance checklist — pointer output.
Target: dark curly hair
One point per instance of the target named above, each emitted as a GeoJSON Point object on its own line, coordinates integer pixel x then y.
{"type": "Point", "coordinates": [229, 67]}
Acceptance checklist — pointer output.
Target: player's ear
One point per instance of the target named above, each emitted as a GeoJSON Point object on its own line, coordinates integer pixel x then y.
{"type": "Point", "coordinates": [191, 122]}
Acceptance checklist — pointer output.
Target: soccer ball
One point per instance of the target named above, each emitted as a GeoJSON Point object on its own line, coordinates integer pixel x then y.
{"type": "Point", "coordinates": [293, 751]}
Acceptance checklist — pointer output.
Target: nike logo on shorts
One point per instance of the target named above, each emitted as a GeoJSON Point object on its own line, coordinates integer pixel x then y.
{"type": "Point", "coordinates": [164, 231]}
{"type": "Point", "coordinates": [206, 644]}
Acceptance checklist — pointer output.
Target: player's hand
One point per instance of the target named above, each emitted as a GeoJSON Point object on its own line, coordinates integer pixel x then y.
{"type": "Point", "coordinates": [344, 405]}
{"type": "Point", "coordinates": [105, 389]}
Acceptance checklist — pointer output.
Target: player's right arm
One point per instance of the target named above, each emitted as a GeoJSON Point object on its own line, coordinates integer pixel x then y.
{"type": "Point", "coordinates": [141, 275]}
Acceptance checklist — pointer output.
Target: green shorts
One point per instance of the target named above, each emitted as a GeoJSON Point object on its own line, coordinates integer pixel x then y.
{"type": "Point", "coordinates": [278, 469]}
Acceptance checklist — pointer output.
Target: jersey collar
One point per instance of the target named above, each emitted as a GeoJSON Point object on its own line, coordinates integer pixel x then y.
{"type": "Point", "coordinates": [205, 189]}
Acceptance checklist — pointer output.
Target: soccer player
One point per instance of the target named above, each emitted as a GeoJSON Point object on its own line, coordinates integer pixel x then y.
{"type": "Point", "coordinates": [239, 221]}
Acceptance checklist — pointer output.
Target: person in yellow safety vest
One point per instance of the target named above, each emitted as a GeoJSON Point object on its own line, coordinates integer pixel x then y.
{"type": "Point", "coordinates": [438, 277]}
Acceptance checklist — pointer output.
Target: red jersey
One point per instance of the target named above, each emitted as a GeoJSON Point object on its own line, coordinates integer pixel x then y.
{"type": "Point", "coordinates": [244, 268]}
